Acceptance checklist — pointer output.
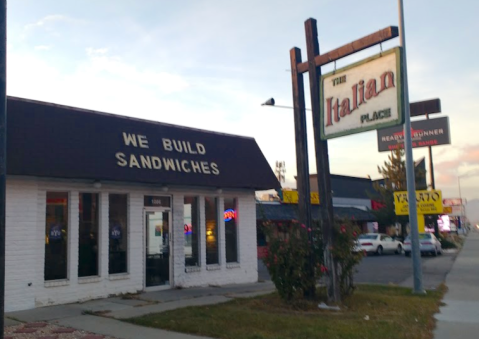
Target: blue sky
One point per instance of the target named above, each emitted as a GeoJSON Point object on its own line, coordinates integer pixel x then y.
{"type": "Point", "coordinates": [210, 65]}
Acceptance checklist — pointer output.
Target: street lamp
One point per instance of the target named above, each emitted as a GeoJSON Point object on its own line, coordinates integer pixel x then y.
{"type": "Point", "coordinates": [271, 102]}
{"type": "Point", "coordinates": [302, 175]}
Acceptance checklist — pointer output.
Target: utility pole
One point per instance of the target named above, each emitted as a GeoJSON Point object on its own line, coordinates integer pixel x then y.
{"type": "Point", "coordinates": [411, 185]}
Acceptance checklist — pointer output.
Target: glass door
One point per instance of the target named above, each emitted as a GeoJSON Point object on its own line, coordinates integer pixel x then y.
{"type": "Point", "coordinates": [157, 248]}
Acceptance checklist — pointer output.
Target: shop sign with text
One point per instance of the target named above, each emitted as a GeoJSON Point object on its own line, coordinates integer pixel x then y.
{"type": "Point", "coordinates": [291, 197]}
{"type": "Point", "coordinates": [427, 202]}
{"type": "Point", "coordinates": [362, 97]}
{"type": "Point", "coordinates": [452, 202]}
{"type": "Point", "coordinates": [429, 132]}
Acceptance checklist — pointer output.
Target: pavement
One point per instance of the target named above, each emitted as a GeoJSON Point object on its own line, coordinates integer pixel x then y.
{"type": "Point", "coordinates": [85, 316]}
{"type": "Point", "coordinates": [459, 317]}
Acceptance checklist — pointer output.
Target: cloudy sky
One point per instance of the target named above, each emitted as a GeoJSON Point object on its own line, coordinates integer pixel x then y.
{"type": "Point", "coordinates": [210, 64]}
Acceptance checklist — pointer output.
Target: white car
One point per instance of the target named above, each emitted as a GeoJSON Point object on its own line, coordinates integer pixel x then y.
{"type": "Point", "coordinates": [378, 243]}
{"type": "Point", "coordinates": [428, 243]}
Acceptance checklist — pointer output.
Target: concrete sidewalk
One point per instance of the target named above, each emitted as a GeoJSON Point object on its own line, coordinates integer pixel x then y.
{"type": "Point", "coordinates": [459, 318]}
{"type": "Point", "coordinates": [81, 315]}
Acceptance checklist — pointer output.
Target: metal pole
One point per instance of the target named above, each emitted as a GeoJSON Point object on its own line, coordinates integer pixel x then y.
{"type": "Point", "coordinates": [433, 185]}
{"type": "Point", "coordinates": [431, 166]}
{"type": "Point", "coordinates": [411, 185]}
{"type": "Point", "coordinates": [3, 152]}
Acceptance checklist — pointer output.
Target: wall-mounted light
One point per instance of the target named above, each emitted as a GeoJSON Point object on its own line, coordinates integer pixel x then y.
{"type": "Point", "coordinates": [164, 188]}
{"type": "Point", "coordinates": [219, 191]}
{"type": "Point", "coordinates": [97, 184]}
{"type": "Point", "coordinates": [209, 233]}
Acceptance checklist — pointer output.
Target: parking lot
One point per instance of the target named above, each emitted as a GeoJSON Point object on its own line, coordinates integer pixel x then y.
{"type": "Point", "coordinates": [395, 269]}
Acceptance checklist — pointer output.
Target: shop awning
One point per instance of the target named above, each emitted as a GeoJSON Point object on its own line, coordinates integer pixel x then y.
{"type": "Point", "coordinates": [48, 140]}
{"type": "Point", "coordinates": [282, 212]}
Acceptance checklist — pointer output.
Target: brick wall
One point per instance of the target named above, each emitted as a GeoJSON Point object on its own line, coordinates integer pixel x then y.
{"type": "Point", "coordinates": [25, 244]}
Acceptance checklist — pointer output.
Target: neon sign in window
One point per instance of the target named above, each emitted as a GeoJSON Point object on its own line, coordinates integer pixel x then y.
{"type": "Point", "coordinates": [229, 214]}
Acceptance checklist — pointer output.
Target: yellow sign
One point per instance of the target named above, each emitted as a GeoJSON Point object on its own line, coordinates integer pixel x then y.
{"type": "Point", "coordinates": [427, 202]}
{"type": "Point", "coordinates": [447, 209]}
{"type": "Point", "coordinates": [291, 197]}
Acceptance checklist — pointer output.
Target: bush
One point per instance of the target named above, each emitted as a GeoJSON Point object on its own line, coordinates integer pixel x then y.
{"type": "Point", "coordinates": [345, 238]}
{"type": "Point", "coordinates": [289, 257]}
{"type": "Point", "coordinates": [295, 257]}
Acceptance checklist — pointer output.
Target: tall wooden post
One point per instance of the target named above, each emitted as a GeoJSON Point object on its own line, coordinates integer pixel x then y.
{"type": "Point", "coordinates": [322, 162]}
{"type": "Point", "coordinates": [302, 163]}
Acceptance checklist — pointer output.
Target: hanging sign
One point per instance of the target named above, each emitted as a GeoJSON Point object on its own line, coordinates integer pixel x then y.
{"type": "Point", "coordinates": [364, 96]}
{"type": "Point", "coordinates": [428, 202]}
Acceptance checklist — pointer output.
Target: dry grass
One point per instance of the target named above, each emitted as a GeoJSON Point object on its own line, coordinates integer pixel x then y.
{"type": "Point", "coordinates": [391, 312]}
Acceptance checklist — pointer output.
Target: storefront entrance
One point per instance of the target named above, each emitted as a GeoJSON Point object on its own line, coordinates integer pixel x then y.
{"type": "Point", "coordinates": [158, 246]}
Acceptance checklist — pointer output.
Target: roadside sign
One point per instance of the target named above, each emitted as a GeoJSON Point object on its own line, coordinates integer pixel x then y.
{"type": "Point", "coordinates": [447, 210]}
{"type": "Point", "coordinates": [429, 132]}
{"type": "Point", "coordinates": [363, 96]}
{"type": "Point", "coordinates": [452, 202]}
{"type": "Point", "coordinates": [427, 202]}
{"type": "Point", "coordinates": [291, 197]}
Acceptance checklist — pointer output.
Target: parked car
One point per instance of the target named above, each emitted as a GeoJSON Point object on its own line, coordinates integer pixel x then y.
{"type": "Point", "coordinates": [428, 243]}
{"type": "Point", "coordinates": [378, 243]}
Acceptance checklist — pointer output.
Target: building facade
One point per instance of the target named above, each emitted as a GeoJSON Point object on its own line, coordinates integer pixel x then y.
{"type": "Point", "coordinates": [99, 204]}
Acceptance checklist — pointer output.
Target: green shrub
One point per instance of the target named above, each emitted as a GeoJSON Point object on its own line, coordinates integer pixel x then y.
{"type": "Point", "coordinates": [294, 257]}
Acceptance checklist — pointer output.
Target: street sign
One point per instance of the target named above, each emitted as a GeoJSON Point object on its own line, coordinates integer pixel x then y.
{"type": "Point", "coordinates": [364, 96]}
{"type": "Point", "coordinates": [430, 132]}
{"type": "Point", "coordinates": [427, 202]}
{"type": "Point", "coordinates": [291, 197]}
{"type": "Point", "coordinates": [447, 210]}
{"type": "Point", "coordinates": [452, 202]}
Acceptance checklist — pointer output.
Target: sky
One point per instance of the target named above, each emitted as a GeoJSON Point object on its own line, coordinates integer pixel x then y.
{"type": "Point", "coordinates": [210, 64]}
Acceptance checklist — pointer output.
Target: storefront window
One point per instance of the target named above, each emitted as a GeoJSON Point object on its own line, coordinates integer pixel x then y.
{"type": "Point", "coordinates": [191, 231]}
{"type": "Point", "coordinates": [211, 214]}
{"type": "Point", "coordinates": [56, 236]}
{"type": "Point", "coordinates": [118, 233]}
{"type": "Point", "coordinates": [88, 236]}
{"type": "Point", "coordinates": [231, 233]}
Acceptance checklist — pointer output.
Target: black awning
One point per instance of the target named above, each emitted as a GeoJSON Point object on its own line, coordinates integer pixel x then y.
{"type": "Point", "coordinates": [49, 140]}
{"type": "Point", "coordinates": [289, 212]}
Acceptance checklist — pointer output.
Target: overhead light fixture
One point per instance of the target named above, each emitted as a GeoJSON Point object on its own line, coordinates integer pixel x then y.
{"type": "Point", "coordinates": [269, 102]}
{"type": "Point", "coordinates": [219, 191]}
{"type": "Point", "coordinates": [97, 184]}
{"type": "Point", "coordinates": [164, 188]}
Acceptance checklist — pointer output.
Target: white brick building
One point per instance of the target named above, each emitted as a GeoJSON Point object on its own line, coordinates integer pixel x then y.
{"type": "Point", "coordinates": [98, 204]}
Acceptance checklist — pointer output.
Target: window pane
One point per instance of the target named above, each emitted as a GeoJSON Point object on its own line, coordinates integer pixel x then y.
{"type": "Point", "coordinates": [56, 236]}
{"type": "Point", "coordinates": [231, 233]}
{"type": "Point", "coordinates": [192, 227]}
{"type": "Point", "coordinates": [118, 233]}
{"type": "Point", "coordinates": [88, 237]}
{"type": "Point", "coordinates": [211, 215]}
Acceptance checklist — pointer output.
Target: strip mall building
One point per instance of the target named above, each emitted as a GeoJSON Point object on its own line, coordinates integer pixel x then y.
{"type": "Point", "coordinates": [100, 204]}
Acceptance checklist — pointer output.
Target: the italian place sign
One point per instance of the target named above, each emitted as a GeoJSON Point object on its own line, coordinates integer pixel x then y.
{"type": "Point", "coordinates": [363, 96]}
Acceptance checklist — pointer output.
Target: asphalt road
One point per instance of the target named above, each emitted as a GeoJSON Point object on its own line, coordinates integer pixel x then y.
{"type": "Point", "coordinates": [395, 269]}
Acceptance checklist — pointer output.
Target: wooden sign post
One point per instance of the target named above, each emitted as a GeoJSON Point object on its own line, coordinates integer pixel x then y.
{"type": "Point", "coordinates": [313, 66]}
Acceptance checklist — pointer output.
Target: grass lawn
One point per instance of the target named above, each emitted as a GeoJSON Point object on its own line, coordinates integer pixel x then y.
{"type": "Point", "coordinates": [393, 312]}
